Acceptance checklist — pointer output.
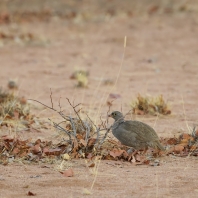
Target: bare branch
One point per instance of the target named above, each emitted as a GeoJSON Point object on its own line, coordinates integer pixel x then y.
{"type": "Point", "coordinates": [105, 136]}
{"type": "Point", "coordinates": [91, 120]}
{"type": "Point", "coordinates": [77, 105]}
{"type": "Point", "coordinates": [61, 129]}
{"type": "Point", "coordinates": [76, 113]}
{"type": "Point", "coordinates": [51, 98]}
{"type": "Point", "coordinates": [109, 111]}
{"type": "Point", "coordinates": [73, 125]}
{"type": "Point", "coordinates": [44, 105]}
{"type": "Point", "coordinates": [59, 112]}
{"type": "Point", "coordinates": [59, 104]}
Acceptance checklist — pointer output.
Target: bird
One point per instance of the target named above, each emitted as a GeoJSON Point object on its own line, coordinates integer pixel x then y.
{"type": "Point", "coordinates": [135, 134]}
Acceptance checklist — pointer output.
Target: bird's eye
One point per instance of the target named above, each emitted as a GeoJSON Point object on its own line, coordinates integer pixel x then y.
{"type": "Point", "coordinates": [114, 114]}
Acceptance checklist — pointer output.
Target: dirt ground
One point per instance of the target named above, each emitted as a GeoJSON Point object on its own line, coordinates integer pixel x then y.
{"type": "Point", "coordinates": [161, 57]}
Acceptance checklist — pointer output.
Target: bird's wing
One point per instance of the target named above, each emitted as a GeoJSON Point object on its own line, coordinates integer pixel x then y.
{"type": "Point", "coordinates": [140, 130]}
{"type": "Point", "coordinates": [126, 137]}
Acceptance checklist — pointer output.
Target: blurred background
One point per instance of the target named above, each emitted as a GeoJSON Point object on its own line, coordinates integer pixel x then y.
{"type": "Point", "coordinates": [76, 48]}
{"type": "Point", "coordinates": [136, 56]}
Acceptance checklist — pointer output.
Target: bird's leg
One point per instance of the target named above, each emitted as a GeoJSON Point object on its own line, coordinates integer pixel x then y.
{"type": "Point", "coordinates": [131, 152]}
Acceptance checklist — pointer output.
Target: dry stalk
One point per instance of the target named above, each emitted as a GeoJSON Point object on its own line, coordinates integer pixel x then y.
{"type": "Point", "coordinates": [73, 122]}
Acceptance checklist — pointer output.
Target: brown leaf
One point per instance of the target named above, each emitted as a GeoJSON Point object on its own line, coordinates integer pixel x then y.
{"type": "Point", "coordinates": [36, 149]}
{"type": "Point", "coordinates": [184, 142]}
{"type": "Point", "coordinates": [91, 165]}
{"type": "Point", "coordinates": [68, 173]}
{"type": "Point", "coordinates": [116, 153]}
{"type": "Point", "coordinates": [31, 193]}
{"type": "Point", "coordinates": [193, 147]}
{"type": "Point", "coordinates": [91, 141]}
{"type": "Point", "coordinates": [108, 157]}
{"type": "Point", "coordinates": [140, 158]}
{"type": "Point", "coordinates": [89, 156]}
{"type": "Point", "coordinates": [55, 151]}
{"type": "Point", "coordinates": [79, 136]}
{"type": "Point", "coordinates": [38, 141]}
{"type": "Point", "coordinates": [172, 141]}
{"type": "Point", "coordinates": [23, 154]}
{"type": "Point", "coordinates": [45, 149]}
{"type": "Point", "coordinates": [75, 145]}
{"type": "Point", "coordinates": [178, 148]}
{"type": "Point", "coordinates": [83, 142]}
{"type": "Point", "coordinates": [109, 103]}
{"type": "Point", "coordinates": [147, 162]}
{"type": "Point", "coordinates": [15, 151]}
{"type": "Point", "coordinates": [185, 136]}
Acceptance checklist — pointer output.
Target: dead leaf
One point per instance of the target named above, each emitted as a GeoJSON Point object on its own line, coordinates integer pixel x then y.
{"type": "Point", "coordinates": [116, 153]}
{"type": "Point", "coordinates": [31, 193]}
{"type": "Point", "coordinates": [91, 165]}
{"type": "Point", "coordinates": [83, 142]}
{"type": "Point", "coordinates": [147, 162]}
{"type": "Point", "coordinates": [38, 141]}
{"type": "Point", "coordinates": [79, 136]}
{"type": "Point", "coordinates": [89, 156]}
{"type": "Point", "coordinates": [172, 141]}
{"type": "Point", "coordinates": [186, 136]}
{"type": "Point", "coordinates": [36, 149]}
{"type": "Point", "coordinates": [68, 173]}
{"type": "Point", "coordinates": [91, 142]}
{"type": "Point", "coordinates": [184, 142]}
{"type": "Point", "coordinates": [178, 148]}
{"type": "Point", "coordinates": [193, 147]}
{"type": "Point", "coordinates": [56, 152]}
{"type": "Point", "coordinates": [140, 158]}
{"type": "Point", "coordinates": [109, 103]}
{"type": "Point", "coordinates": [15, 151]}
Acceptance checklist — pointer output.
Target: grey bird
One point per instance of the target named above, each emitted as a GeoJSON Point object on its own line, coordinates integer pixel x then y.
{"type": "Point", "coordinates": [134, 134]}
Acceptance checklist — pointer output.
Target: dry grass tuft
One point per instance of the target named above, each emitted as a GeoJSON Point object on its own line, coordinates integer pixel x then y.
{"type": "Point", "coordinates": [82, 78]}
{"type": "Point", "coordinates": [150, 105]}
{"type": "Point", "coordinates": [12, 106]}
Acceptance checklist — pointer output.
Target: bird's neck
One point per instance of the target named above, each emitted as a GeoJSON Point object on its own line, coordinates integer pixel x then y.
{"type": "Point", "coordinates": [118, 122]}
{"type": "Point", "coordinates": [121, 119]}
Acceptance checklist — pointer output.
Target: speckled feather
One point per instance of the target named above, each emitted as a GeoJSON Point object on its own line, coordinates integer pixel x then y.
{"type": "Point", "coordinates": [135, 134]}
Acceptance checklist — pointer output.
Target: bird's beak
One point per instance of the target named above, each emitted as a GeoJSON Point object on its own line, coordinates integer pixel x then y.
{"type": "Point", "coordinates": [109, 115]}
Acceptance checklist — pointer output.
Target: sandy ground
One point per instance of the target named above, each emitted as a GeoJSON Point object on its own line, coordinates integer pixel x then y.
{"type": "Point", "coordinates": [161, 57]}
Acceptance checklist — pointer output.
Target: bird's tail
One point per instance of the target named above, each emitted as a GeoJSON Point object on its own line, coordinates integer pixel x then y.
{"type": "Point", "coordinates": [159, 146]}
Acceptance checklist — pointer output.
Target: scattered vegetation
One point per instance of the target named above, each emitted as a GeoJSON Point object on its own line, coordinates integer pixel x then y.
{"type": "Point", "coordinates": [150, 105]}
{"type": "Point", "coordinates": [12, 107]}
{"type": "Point", "coordinates": [84, 140]}
{"type": "Point", "coordinates": [13, 149]}
{"type": "Point", "coordinates": [81, 77]}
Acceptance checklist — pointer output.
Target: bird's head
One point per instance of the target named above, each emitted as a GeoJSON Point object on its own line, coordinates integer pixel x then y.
{"type": "Point", "coordinates": [116, 115]}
